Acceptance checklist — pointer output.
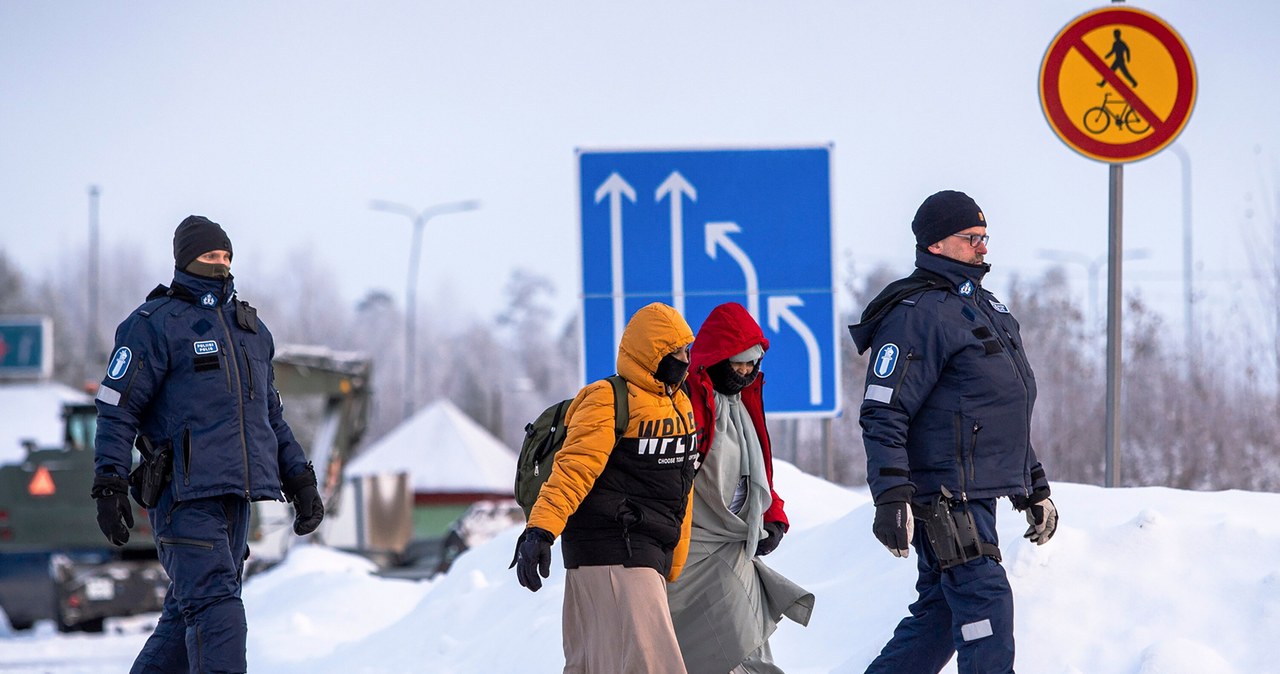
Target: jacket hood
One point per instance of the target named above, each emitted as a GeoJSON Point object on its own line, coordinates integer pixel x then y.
{"type": "Point", "coordinates": [727, 332]}
{"type": "Point", "coordinates": [653, 332]}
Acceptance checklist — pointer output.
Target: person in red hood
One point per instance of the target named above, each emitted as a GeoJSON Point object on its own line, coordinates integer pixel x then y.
{"type": "Point", "coordinates": [728, 602]}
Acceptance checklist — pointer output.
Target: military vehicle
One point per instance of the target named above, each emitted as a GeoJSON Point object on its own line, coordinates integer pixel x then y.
{"type": "Point", "coordinates": [55, 563]}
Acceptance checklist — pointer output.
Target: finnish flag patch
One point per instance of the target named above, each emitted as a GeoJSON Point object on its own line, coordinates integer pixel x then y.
{"type": "Point", "coordinates": [207, 346]}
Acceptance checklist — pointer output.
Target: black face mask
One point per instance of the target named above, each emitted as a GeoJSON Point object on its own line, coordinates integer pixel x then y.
{"type": "Point", "coordinates": [209, 270]}
{"type": "Point", "coordinates": [728, 382]}
{"type": "Point", "coordinates": [671, 371]}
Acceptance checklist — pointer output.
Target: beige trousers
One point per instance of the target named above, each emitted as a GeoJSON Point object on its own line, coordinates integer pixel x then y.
{"type": "Point", "coordinates": [616, 621]}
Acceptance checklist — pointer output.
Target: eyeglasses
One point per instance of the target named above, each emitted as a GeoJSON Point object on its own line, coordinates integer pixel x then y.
{"type": "Point", "coordinates": [975, 239]}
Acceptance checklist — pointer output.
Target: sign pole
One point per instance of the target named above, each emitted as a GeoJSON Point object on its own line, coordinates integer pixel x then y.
{"type": "Point", "coordinates": [1115, 208]}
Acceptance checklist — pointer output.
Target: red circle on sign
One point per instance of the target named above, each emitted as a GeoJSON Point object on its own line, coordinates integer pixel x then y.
{"type": "Point", "coordinates": [1164, 131]}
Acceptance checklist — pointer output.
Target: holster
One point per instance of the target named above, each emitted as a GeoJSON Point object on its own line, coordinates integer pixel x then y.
{"type": "Point", "coordinates": [149, 479]}
{"type": "Point", "coordinates": [951, 531]}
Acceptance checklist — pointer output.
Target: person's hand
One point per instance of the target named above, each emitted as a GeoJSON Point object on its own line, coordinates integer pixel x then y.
{"type": "Point", "coordinates": [115, 513]}
{"type": "Point", "coordinates": [894, 525]}
{"type": "Point", "coordinates": [769, 543]}
{"type": "Point", "coordinates": [1043, 518]}
{"type": "Point", "coordinates": [308, 508]}
{"type": "Point", "coordinates": [533, 557]}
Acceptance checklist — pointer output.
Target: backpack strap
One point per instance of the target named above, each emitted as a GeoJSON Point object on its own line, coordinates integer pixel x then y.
{"type": "Point", "coordinates": [621, 406]}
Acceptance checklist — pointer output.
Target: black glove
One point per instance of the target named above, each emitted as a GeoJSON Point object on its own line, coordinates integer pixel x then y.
{"type": "Point", "coordinates": [307, 507]}
{"type": "Point", "coordinates": [115, 513]}
{"type": "Point", "coordinates": [775, 530]}
{"type": "Point", "coordinates": [533, 557]}
{"type": "Point", "coordinates": [894, 524]}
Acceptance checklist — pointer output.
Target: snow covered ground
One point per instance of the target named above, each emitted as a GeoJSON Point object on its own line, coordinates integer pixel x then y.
{"type": "Point", "coordinates": [1137, 581]}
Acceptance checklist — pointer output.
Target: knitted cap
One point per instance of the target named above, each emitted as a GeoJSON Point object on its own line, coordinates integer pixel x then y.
{"type": "Point", "coordinates": [944, 214]}
{"type": "Point", "coordinates": [195, 236]}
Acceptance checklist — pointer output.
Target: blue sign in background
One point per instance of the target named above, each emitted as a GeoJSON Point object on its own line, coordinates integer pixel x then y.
{"type": "Point", "coordinates": [764, 214]}
{"type": "Point", "coordinates": [26, 347]}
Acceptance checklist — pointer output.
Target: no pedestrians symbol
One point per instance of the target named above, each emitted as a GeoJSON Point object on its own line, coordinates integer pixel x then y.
{"type": "Point", "coordinates": [1117, 84]}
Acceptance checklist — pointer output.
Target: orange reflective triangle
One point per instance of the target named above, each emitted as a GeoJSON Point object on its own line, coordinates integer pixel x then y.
{"type": "Point", "coordinates": [41, 483]}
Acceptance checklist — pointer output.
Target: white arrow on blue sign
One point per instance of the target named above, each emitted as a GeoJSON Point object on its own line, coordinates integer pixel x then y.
{"type": "Point", "coordinates": [697, 228]}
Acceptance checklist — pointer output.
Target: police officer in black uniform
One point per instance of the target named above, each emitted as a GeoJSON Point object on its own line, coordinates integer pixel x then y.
{"type": "Point", "coordinates": [190, 382]}
{"type": "Point", "coordinates": [946, 422]}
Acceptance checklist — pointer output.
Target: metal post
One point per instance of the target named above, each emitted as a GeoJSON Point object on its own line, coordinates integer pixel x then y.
{"type": "Point", "coordinates": [411, 321]}
{"type": "Point", "coordinates": [1188, 294]}
{"type": "Point", "coordinates": [91, 364]}
{"type": "Point", "coordinates": [419, 220]}
{"type": "Point", "coordinates": [1115, 207]}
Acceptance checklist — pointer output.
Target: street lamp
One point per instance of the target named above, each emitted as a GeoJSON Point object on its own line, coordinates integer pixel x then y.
{"type": "Point", "coordinates": [1093, 266]}
{"type": "Point", "coordinates": [419, 220]}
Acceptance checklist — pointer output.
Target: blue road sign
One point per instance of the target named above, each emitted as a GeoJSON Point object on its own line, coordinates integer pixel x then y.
{"type": "Point", "coordinates": [698, 228]}
{"type": "Point", "coordinates": [26, 347]}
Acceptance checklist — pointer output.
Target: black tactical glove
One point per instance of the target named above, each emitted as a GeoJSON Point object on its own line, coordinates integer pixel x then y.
{"type": "Point", "coordinates": [894, 524]}
{"type": "Point", "coordinates": [775, 530]}
{"type": "Point", "coordinates": [533, 557]}
{"type": "Point", "coordinates": [1041, 514]}
{"type": "Point", "coordinates": [307, 506]}
{"type": "Point", "coordinates": [115, 513]}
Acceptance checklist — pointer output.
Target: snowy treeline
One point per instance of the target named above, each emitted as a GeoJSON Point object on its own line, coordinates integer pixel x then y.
{"type": "Point", "coordinates": [1207, 421]}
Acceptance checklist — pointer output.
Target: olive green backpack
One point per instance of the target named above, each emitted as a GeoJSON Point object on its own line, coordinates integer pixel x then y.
{"type": "Point", "coordinates": [544, 436]}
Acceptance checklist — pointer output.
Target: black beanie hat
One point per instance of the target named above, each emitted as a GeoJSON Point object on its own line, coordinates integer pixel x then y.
{"type": "Point", "coordinates": [195, 236]}
{"type": "Point", "coordinates": [944, 214]}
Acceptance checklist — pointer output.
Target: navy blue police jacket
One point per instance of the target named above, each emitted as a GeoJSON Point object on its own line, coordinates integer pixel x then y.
{"type": "Point", "coordinates": [949, 391]}
{"type": "Point", "coordinates": [192, 367]}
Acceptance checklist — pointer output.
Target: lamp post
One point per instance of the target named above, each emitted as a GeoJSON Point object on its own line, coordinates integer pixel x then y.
{"type": "Point", "coordinates": [1188, 294]}
{"type": "Point", "coordinates": [91, 333]}
{"type": "Point", "coordinates": [419, 220]}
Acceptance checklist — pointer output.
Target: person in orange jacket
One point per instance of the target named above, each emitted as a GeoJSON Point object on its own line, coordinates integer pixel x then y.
{"type": "Point", "coordinates": [728, 601]}
{"type": "Point", "coordinates": [621, 507]}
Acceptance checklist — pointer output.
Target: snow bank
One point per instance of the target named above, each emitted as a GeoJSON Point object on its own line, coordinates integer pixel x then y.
{"type": "Point", "coordinates": [1137, 581]}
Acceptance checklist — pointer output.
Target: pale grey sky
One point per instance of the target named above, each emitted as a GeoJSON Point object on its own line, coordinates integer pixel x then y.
{"type": "Point", "coordinates": [282, 120]}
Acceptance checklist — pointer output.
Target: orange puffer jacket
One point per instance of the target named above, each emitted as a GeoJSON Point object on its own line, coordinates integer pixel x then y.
{"type": "Point", "coordinates": [628, 504]}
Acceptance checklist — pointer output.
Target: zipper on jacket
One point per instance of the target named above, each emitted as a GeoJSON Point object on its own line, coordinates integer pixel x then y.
{"type": "Point", "coordinates": [248, 367]}
{"type": "Point", "coordinates": [911, 355]}
{"type": "Point", "coordinates": [964, 496]}
{"type": "Point", "coordinates": [186, 456]}
{"type": "Point", "coordinates": [973, 452]}
{"type": "Point", "coordinates": [244, 443]}
{"type": "Point", "coordinates": [228, 363]}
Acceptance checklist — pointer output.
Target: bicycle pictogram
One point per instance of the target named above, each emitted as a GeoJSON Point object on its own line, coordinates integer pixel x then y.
{"type": "Point", "coordinates": [1098, 119]}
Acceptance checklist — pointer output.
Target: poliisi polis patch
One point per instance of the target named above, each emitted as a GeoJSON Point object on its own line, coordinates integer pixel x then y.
{"type": "Point", "coordinates": [999, 307]}
{"type": "Point", "coordinates": [119, 363]}
{"type": "Point", "coordinates": [207, 346]}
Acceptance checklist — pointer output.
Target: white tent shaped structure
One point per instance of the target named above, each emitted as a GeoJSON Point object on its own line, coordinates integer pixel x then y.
{"type": "Point", "coordinates": [449, 457]}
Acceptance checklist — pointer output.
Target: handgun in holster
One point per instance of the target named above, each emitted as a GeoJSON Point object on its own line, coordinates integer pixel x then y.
{"type": "Point", "coordinates": [951, 531]}
{"type": "Point", "coordinates": [148, 480]}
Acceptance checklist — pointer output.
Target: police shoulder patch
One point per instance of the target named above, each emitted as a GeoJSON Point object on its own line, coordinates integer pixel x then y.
{"type": "Point", "coordinates": [886, 360]}
{"type": "Point", "coordinates": [999, 307]}
{"type": "Point", "coordinates": [120, 361]}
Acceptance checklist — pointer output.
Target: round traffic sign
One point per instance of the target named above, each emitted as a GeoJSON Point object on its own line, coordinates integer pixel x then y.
{"type": "Point", "coordinates": [1117, 84]}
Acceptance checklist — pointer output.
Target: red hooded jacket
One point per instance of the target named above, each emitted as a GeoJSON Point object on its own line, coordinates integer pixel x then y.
{"type": "Point", "coordinates": [728, 331]}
